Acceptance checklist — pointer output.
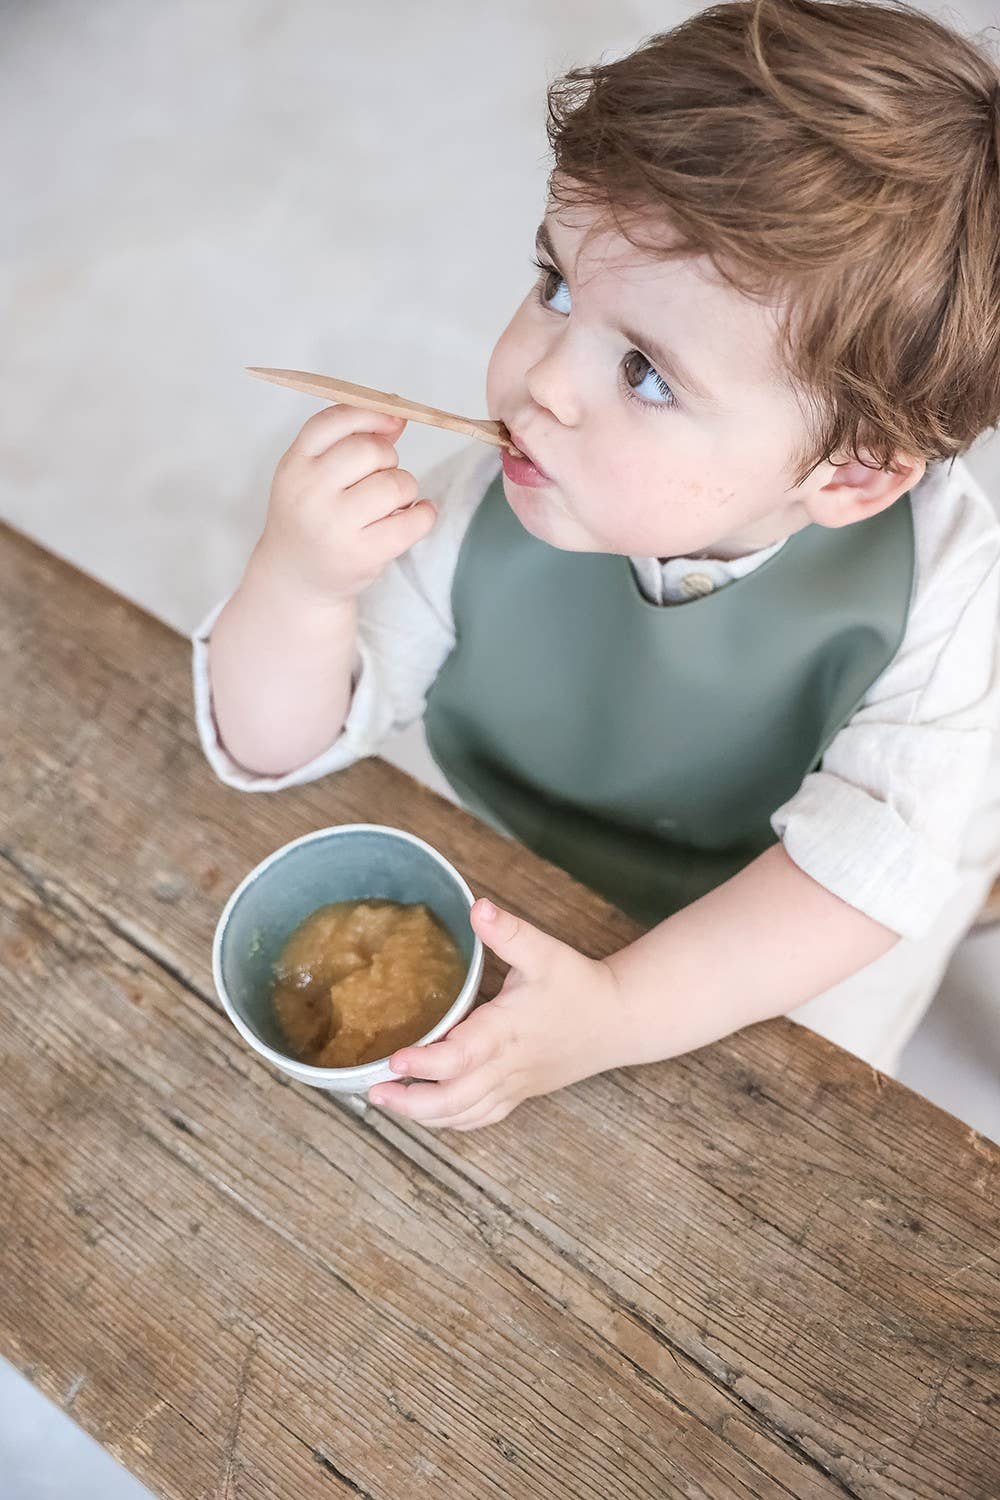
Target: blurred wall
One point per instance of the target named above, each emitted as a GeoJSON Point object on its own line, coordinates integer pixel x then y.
{"type": "Point", "coordinates": [193, 186]}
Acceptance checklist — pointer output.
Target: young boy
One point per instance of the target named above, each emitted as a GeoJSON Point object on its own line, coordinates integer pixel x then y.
{"type": "Point", "coordinates": [727, 650]}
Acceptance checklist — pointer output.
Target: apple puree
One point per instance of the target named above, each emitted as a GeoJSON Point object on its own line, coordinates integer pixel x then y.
{"type": "Point", "coordinates": [358, 979]}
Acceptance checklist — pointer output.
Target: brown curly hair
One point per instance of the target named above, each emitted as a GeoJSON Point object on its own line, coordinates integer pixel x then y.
{"type": "Point", "coordinates": [839, 160]}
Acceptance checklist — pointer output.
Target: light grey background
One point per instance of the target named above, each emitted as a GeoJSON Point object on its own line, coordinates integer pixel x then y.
{"type": "Point", "coordinates": [193, 186]}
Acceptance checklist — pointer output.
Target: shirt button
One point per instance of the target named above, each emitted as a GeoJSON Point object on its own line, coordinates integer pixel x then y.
{"type": "Point", "coordinates": [694, 585]}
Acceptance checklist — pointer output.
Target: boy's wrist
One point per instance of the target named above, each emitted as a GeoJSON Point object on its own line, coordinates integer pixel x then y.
{"type": "Point", "coordinates": [628, 1038]}
{"type": "Point", "coordinates": [279, 589]}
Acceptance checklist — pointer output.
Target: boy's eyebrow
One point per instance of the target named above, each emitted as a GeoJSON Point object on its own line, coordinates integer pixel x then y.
{"type": "Point", "coordinates": [662, 357]}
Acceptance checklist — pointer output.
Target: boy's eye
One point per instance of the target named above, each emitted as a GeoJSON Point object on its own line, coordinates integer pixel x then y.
{"type": "Point", "coordinates": [545, 273]}
{"type": "Point", "coordinates": [635, 366]}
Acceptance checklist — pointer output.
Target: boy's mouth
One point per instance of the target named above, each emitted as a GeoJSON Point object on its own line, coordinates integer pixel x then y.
{"type": "Point", "coordinates": [522, 471]}
{"type": "Point", "coordinates": [528, 455]}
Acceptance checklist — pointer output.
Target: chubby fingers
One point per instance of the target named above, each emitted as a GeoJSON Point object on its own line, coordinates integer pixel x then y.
{"type": "Point", "coordinates": [470, 1044]}
{"type": "Point", "coordinates": [460, 1070]}
{"type": "Point", "coordinates": [432, 1103]}
{"type": "Point", "coordinates": [324, 428]}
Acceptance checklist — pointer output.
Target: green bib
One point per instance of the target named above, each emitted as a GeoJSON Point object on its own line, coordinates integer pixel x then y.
{"type": "Point", "coordinates": [644, 747]}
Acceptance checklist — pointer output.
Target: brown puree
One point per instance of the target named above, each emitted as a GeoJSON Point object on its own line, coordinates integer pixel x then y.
{"type": "Point", "coordinates": [358, 979]}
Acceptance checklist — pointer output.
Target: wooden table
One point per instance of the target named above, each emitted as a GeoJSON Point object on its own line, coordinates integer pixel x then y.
{"type": "Point", "coordinates": [760, 1270]}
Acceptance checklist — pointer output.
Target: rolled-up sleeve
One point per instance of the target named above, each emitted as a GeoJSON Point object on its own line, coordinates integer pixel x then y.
{"type": "Point", "coordinates": [405, 632]}
{"type": "Point", "coordinates": [881, 822]}
{"type": "Point", "coordinates": [369, 720]}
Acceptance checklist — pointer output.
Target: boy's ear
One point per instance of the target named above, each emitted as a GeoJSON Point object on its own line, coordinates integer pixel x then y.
{"type": "Point", "coordinates": [856, 492]}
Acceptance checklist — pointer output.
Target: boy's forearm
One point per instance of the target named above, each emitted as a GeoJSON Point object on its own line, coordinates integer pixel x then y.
{"type": "Point", "coordinates": [757, 946]}
{"type": "Point", "coordinates": [280, 671]}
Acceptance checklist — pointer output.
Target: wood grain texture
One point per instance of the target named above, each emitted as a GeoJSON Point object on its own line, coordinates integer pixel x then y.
{"type": "Point", "coordinates": [759, 1270]}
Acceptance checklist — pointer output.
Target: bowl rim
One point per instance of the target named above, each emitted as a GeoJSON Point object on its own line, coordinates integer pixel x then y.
{"type": "Point", "coordinates": [356, 1073]}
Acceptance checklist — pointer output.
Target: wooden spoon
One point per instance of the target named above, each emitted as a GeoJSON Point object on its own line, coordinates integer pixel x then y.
{"type": "Point", "coordinates": [396, 406]}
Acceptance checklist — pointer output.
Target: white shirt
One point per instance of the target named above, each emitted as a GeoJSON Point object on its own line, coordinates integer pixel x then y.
{"type": "Point", "coordinates": [905, 789]}
{"type": "Point", "coordinates": [677, 580]}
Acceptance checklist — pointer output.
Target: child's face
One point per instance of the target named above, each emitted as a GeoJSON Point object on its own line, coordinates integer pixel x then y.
{"type": "Point", "coordinates": [682, 473]}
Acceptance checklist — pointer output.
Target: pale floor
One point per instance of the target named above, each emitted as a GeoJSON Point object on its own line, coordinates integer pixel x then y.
{"type": "Point", "coordinates": [194, 188]}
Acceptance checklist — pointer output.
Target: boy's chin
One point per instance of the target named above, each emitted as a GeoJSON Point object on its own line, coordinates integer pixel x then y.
{"type": "Point", "coordinates": [540, 514]}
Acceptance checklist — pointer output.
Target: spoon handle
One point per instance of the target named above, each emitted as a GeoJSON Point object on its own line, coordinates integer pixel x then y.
{"type": "Point", "coordinates": [330, 389]}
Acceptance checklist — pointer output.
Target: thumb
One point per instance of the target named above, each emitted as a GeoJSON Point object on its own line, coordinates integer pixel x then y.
{"type": "Point", "coordinates": [513, 939]}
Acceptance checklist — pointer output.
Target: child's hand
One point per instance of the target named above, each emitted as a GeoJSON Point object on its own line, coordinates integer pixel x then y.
{"type": "Point", "coordinates": [331, 523]}
{"type": "Point", "coordinates": [555, 1020]}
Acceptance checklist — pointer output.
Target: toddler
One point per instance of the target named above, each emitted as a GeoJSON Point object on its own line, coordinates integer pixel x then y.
{"type": "Point", "coordinates": [725, 644]}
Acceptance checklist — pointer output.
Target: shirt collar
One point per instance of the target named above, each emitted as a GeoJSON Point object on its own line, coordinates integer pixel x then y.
{"type": "Point", "coordinates": [680, 579]}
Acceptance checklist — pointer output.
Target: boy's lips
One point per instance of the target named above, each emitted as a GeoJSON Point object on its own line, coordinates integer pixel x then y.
{"type": "Point", "coordinates": [528, 453]}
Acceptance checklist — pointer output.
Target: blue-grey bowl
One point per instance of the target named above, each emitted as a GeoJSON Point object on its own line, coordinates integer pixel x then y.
{"type": "Point", "coordinates": [348, 862]}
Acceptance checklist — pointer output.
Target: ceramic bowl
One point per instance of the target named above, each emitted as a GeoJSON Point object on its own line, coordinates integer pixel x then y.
{"type": "Point", "coordinates": [348, 862]}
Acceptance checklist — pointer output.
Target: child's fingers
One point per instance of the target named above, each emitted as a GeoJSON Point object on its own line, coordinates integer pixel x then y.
{"type": "Point", "coordinates": [467, 1045]}
{"type": "Point", "coordinates": [429, 1101]}
{"type": "Point", "coordinates": [436, 1061]}
{"type": "Point", "coordinates": [479, 1113]}
{"type": "Point", "coordinates": [515, 941]}
{"type": "Point", "coordinates": [490, 1113]}
{"type": "Point", "coordinates": [397, 533]}
{"type": "Point", "coordinates": [326, 427]}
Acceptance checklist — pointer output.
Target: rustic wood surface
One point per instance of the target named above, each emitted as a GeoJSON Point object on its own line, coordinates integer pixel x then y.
{"type": "Point", "coordinates": [760, 1270]}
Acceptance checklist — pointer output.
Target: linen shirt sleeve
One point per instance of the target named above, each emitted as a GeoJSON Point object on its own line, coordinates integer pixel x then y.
{"type": "Point", "coordinates": [405, 632]}
{"type": "Point", "coordinates": [881, 822]}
